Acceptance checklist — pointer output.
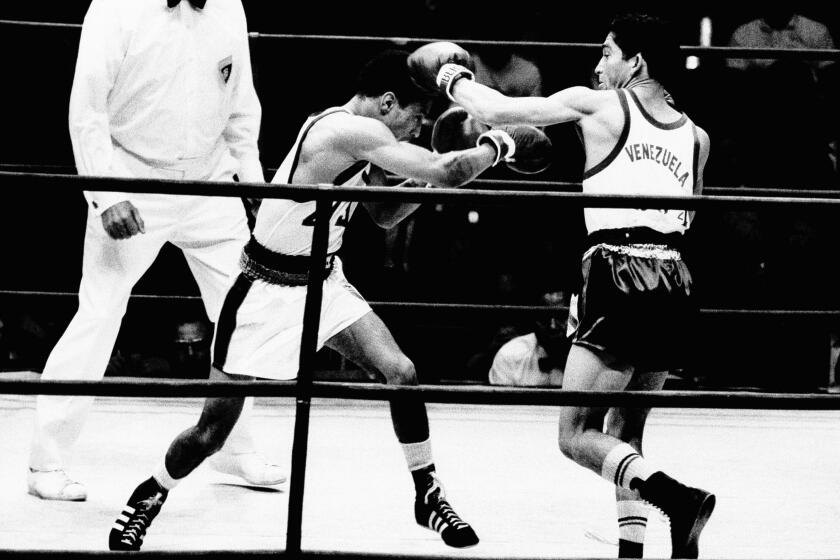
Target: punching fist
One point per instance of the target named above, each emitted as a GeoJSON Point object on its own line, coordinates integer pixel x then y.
{"type": "Point", "coordinates": [531, 149]}
{"type": "Point", "coordinates": [436, 66]}
{"type": "Point", "coordinates": [455, 129]}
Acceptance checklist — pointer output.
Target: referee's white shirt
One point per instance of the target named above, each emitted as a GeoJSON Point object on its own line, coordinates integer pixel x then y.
{"type": "Point", "coordinates": [164, 85]}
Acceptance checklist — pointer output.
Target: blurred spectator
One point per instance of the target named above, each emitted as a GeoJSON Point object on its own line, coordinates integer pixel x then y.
{"type": "Point", "coordinates": [190, 351]}
{"type": "Point", "coordinates": [506, 71]}
{"type": "Point", "coordinates": [185, 355]}
{"type": "Point", "coordinates": [518, 363]}
{"type": "Point", "coordinates": [783, 138]}
{"type": "Point", "coordinates": [792, 146]}
{"type": "Point", "coordinates": [780, 27]}
{"type": "Point", "coordinates": [26, 338]}
{"type": "Point", "coordinates": [532, 359]}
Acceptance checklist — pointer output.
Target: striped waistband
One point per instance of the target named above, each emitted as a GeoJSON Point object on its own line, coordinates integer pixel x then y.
{"type": "Point", "coordinates": [641, 250]}
{"type": "Point", "coordinates": [637, 242]}
{"type": "Point", "coordinates": [260, 263]}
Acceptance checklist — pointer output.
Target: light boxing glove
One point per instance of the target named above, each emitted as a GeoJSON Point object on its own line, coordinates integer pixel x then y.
{"type": "Point", "coordinates": [426, 63]}
{"type": "Point", "coordinates": [450, 73]}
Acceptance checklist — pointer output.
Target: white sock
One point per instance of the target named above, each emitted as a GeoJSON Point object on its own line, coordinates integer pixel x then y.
{"type": "Point", "coordinates": [632, 520]}
{"type": "Point", "coordinates": [623, 464]}
{"type": "Point", "coordinates": [418, 455]}
{"type": "Point", "coordinates": [164, 478]}
{"type": "Point", "coordinates": [240, 440]}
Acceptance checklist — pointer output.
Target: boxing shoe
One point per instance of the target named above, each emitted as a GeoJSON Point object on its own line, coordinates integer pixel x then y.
{"type": "Point", "coordinates": [55, 485]}
{"type": "Point", "coordinates": [130, 527]}
{"type": "Point", "coordinates": [251, 467]}
{"type": "Point", "coordinates": [432, 511]}
{"type": "Point", "coordinates": [688, 509]}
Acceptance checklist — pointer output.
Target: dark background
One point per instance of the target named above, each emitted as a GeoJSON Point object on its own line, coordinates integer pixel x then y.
{"type": "Point", "coordinates": [513, 254]}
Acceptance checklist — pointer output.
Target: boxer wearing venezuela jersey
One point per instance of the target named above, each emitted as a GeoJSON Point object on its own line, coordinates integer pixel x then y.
{"type": "Point", "coordinates": [634, 310]}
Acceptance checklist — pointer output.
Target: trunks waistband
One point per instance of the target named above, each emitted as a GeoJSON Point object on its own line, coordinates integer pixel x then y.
{"type": "Point", "coordinates": [635, 236]}
{"type": "Point", "coordinates": [637, 242]}
{"type": "Point", "coordinates": [641, 250]}
{"type": "Point", "coordinates": [260, 263]}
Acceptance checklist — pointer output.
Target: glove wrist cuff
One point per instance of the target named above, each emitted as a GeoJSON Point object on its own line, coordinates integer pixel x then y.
{"type": "Point", "coordinates": [501, 141]}
{"type": "Point", "coordinates": [449, 74]}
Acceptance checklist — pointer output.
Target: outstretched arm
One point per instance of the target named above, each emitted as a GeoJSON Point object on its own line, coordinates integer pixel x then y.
{"type": "Point", "coordinates": [371, 140]}
{"type": "Point", "coordinates": [492, 107]}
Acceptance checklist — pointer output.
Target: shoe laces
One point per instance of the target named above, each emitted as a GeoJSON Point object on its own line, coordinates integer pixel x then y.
{"type": "Point", "coordinates": [135, 529]}
{"type": "Point", "coordinates": [441, 506]}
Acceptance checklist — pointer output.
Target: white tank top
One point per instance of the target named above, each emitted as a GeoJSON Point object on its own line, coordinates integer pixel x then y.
{"type": "Point", "coordinates": [650, 158]}
{"type": "Point", "coordinates": [285, 226]}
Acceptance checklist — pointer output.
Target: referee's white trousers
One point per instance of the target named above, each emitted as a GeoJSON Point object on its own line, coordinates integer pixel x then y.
{"type": "Point", "coordinates": [210, 231]}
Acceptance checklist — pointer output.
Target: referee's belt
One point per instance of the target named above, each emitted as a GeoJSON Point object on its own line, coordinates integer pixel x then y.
{"type": "Point", "coordinates": [260, 263]}
{"type": "Point", "coordinates": [635, 236]}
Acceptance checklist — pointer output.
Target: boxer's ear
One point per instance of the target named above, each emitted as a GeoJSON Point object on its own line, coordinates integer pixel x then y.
{"type": "Point", "coordinates": [387, 101]}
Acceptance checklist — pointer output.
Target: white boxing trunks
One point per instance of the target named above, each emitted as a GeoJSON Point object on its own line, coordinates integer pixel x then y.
{"type": "Point", "coordinates": [260, 327]}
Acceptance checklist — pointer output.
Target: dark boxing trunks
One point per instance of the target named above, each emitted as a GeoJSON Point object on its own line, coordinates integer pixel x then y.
{"type": "Point", "coordinates": [635, 302]}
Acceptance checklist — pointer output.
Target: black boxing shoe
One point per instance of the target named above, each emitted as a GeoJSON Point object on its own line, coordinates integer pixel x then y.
{"type": "Point", "coordinates": [130, 527]}
{"type": "Point", "coordinates": [433, 512]}
{"type": "Point", "coordinates": [687, 508]}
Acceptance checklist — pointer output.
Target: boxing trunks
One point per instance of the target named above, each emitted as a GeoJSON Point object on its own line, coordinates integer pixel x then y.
{"type": "Point", "coordinates": [635, 300]}
{"type": "Point", "coordinates": [261, 323]}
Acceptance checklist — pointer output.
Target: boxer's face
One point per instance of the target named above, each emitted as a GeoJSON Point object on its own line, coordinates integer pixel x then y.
{"type": "Point", "coordinates": [613, 70]}
{"type": "Point", "coordinates": [405, 122]}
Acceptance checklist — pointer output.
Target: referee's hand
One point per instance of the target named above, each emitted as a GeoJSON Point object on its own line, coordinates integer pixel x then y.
{"type": "Point", "coordinates": [122, 220]}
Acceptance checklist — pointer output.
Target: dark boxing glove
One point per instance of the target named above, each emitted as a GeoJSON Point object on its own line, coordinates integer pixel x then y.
{"type": "Point", "coordinates": [455, 129]}
{"type": "Point", "coordinates": [534, 150]}
{"type": "Point", "coordinates": [426, 66]}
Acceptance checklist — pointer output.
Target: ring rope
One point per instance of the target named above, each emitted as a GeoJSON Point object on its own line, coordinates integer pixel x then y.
{"type": "Point", "coordinates": [224, 554]}
{"type": "Point", "coordinates": [688, 50]}
{"type": "Point", "coordinates": [474, 307]}
{"type": "Point", "coordinates": [557, 186]}
{"type": "Point", "coordinates": [450, 394]}
{"type": "Point", "coordinates": [49, 183]}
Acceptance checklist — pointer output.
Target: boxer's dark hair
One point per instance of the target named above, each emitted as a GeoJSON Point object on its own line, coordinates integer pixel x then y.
{"type": "Point", "coordinates": [652, 37]}
{"type": "Point", "coordinates": [388, 71]}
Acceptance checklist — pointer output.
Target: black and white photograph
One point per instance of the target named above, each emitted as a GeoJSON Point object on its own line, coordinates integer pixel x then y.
{"type": "Point", "coordinates": [419, 279]}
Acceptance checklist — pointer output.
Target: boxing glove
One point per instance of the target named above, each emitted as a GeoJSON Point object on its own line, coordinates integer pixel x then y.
{"type": "Point", "coordinates": [455, 129]}
{"type": "Point", "coordinates": [426, 65]}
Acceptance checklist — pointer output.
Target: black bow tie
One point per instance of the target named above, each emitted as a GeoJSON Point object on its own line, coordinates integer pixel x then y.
{"type": "Point", "coordinates": [196, 3]}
